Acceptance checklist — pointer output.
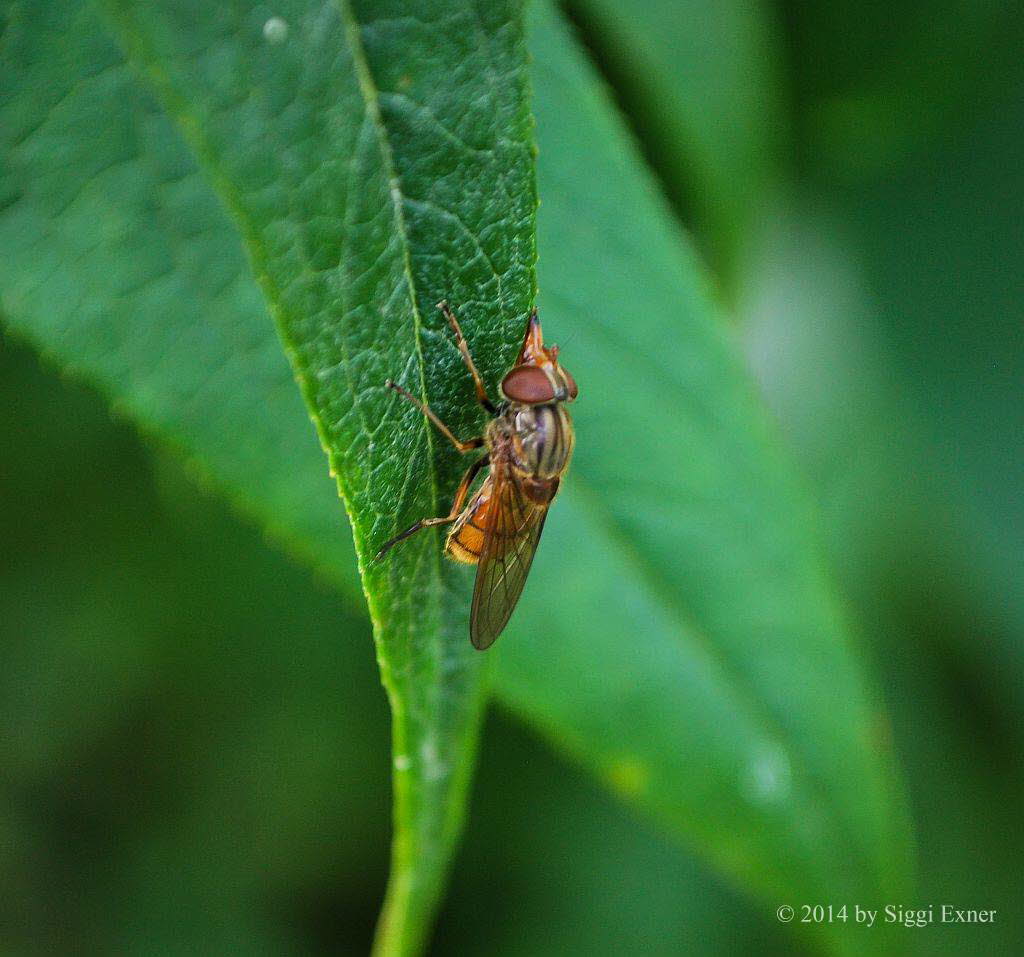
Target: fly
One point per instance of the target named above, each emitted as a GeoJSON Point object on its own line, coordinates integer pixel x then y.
{"type": "Point", "coordinates": [528, 441]}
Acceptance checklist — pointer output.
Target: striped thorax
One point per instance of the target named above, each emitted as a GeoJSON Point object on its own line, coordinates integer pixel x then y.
{"type": "Point", "coordinates": [540, 438]}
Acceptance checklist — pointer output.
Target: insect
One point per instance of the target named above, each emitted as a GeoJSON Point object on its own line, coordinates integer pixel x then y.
{"type": "Point", "coordinates": [528, 441]}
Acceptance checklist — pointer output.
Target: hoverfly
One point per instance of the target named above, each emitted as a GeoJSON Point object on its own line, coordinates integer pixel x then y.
{"type": "Point", "coordinates": [528, 442]}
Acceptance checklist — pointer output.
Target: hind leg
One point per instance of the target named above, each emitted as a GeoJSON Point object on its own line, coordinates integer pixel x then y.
{"type": "Point", "coordinates": [457, 502]}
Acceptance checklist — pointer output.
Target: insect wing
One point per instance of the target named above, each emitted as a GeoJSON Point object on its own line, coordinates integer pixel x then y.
{"type": "Point", "coordinates": [508, 550]}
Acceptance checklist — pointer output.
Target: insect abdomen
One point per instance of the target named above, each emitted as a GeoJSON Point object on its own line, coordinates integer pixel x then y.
{"type": "Point", "coordinates": [465, 541]}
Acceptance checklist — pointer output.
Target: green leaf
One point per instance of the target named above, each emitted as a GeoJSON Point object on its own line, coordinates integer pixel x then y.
{"type": "Point", "coordinates": [373, 164]}
{"type": "Point", "coordinates": [121, 265]}
{"type": "Point", "coordinates": [701, 81]}
{"type": "Point", "coordinates": [678, 635]}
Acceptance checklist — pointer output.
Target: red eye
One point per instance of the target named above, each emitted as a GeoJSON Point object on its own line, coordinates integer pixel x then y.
{"type": "Point", "coordinates": [570, 383]}
{"type": "Point", "coordinates": [528, 384]}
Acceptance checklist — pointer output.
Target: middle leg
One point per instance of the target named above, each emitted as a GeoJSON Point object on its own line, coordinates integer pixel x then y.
{"type": "Point", "coordinates": [466, 446]}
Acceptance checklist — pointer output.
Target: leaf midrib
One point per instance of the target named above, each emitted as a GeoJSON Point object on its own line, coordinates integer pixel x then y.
{"type": "Point", "coordinates": [371, 102]}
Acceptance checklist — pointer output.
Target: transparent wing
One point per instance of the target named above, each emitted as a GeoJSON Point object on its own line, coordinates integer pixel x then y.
{"type": "Point", "coordinates": [509, 546]}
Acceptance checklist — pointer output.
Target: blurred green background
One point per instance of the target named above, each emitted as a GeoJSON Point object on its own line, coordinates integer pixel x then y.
{"type": "Point", "coordinates": [193, 740]}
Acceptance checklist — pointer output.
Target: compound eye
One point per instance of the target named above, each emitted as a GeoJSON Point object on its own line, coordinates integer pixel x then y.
{"type": "Point", "coordinates": [528, 384]}
{"type": "Point", "coordinates": [570, 382]}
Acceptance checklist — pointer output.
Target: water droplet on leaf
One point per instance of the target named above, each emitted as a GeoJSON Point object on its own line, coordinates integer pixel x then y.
{"type": "Point", "coordinates": [275, 30]}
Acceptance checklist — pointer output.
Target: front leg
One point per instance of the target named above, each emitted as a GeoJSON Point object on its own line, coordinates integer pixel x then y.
{"type": "Point", "coordinates": [463, 347]}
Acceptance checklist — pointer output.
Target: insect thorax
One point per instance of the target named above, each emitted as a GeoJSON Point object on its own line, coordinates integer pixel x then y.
{"type": "Point", "coordinates": [538, 439]}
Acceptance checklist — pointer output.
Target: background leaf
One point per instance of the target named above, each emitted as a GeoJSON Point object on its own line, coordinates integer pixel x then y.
{"type": "Point", "coordinates": [901, 292]}
{"type": "Point", "coordinates": [700, 83]}
{"type": "Point", "coordinates": [696, 541]}
{"type": "Point", "coordinates": [122, 265]}
{"type": "Point", "coordinates": [738, 714]}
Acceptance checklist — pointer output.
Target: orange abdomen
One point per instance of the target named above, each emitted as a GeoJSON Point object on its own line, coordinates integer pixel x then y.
{"type": "Point", "coordinates": [466, 540]}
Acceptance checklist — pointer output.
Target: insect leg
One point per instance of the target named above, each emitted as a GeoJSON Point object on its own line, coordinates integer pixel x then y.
{"type": "Point", "coordinates": [430, 414]}
{"type": "Point", "coordinates": [463, 346]}
{"type": "Point", "coordinates": [460, 497]}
